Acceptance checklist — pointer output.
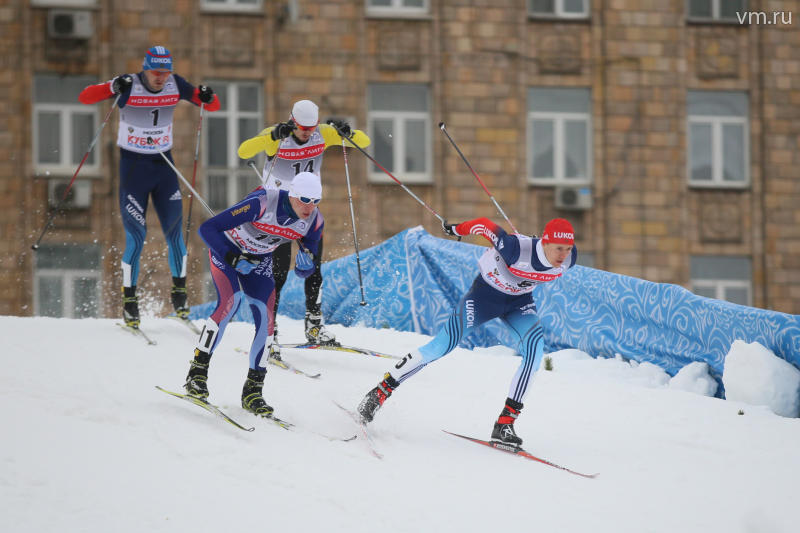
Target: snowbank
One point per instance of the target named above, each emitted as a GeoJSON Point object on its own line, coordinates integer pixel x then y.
{"type": "Point", "coordinates": [754, 375]}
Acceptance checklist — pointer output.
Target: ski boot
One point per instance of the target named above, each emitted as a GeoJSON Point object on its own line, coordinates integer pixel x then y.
{"type": "Point", "coordinates": [196, 380]}
{"type": "Point", "coordinates": [252, 398]}
{"type": "Point", "coordinates": [130, 307]}
{"type": "Point", "coordinates": [178, 295]}
{"type": "Point", "coordinates": [504, 427]}
{"type": "Point", "coordinates": [315, 330]}
{"type": "Point", "coordinates": [375, 398]}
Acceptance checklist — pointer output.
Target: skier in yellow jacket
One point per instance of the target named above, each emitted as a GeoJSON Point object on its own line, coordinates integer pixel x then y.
{"type": "Point", "coordinates": [292, 147]}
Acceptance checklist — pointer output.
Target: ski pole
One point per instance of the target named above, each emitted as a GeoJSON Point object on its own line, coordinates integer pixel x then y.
{"type": "Point", "coordinates": [184, 180]}
{"type": "Point", "coordinates": [499, 209]}
{"type": "Point", "coordinates": [414, 196]}
{"type": "Point", "coordinates": [194, 173]}
{"type": "Point", "coordinates": [353, 220]}
{"type": "Point", "coordinates": [49, 222]}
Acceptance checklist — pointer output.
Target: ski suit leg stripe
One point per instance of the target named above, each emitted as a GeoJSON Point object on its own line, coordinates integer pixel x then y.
{"type": "Point", "coordinates": [133, 221]}
{"type": "Point", "coordinates": [528, 368]}
{"type": "Point", "coordinates": [168, 204]}
{"type": "Point", "coordinates": [260, 315]}
{"type": "Point", "coordinates": [443, 343]}
{"type": "Point", "coordinates": [228, 295]}
{"type": "Point", "coordinates": [259, 287]}
{"type": "Point", "coordinates": [525, 324]}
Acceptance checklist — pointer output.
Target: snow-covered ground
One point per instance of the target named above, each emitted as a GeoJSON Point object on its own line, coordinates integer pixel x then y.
{"type": "Point", "coordinates": [90, 445]}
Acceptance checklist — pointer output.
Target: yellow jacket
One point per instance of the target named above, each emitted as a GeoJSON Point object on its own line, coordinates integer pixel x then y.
{"type": "Point", "coordinates": [263, 141]}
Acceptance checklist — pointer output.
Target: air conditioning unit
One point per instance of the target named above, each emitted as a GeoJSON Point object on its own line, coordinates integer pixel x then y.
{"type": "Point", "coordinates": [79, 195]}
{"type": "Point", "coordinates": [575, 198]}
{"type": "Point", "coordinates": [69, 24]}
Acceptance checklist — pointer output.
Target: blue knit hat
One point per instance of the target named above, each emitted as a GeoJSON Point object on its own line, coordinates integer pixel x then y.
{"type": "Point", "coordinates": [157, 57]}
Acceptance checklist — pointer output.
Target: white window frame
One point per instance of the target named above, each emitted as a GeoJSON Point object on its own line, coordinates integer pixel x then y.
{"type": "Point", "coordinates": [65, 167]}
{"type": "Point", "coordinates": [232, 114]}
{"type": "Point", "coordinates": [68, 278]}
{"type": "Point", "coordinates": [559, 148]}
{"type": "Point", "coordinates": [715, 13]}
{"type": "Point", "coordinates": [64, 3]}
{"type": "Point", "coordinates": [720, 286]}
{"type": "Point", "coordinates": [399, 119]}
{"type": "Point", "coordinates": [398, 9]}
{"type": "Point", "coordinates": [559, 11]}
{"type": "Point", "coordinates": [717, 157]}
{"type": "Point", "coordinates": [231, 6]}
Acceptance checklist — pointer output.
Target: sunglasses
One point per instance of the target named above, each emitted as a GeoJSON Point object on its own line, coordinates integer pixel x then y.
{"type": "Point", "coordinates": [306, 128]}
{"type": "Point", "coordinates": [307, 200]}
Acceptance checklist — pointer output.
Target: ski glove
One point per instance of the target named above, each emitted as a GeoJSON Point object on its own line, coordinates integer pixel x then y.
{"type": "Point", "coordinates": [341, 126]}
{"type": "Point", "coordinates": [303, 264]}
{"type": "Point", "coordinates": [282, 130]}
{"type": "Point", "coordinates": [243, 263]}
{"type": "Point", "coordinates": [122, 83]}
{"type": "Point", "coordinates": [206, 94]}
{"type": "Point", "coordinates": [449, 229]}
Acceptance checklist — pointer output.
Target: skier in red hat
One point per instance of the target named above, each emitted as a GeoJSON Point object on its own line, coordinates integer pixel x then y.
{"type": "Point", "coordinates": [509, 270]}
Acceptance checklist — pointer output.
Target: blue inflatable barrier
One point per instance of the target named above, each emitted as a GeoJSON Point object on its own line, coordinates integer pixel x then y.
{"type": "Point", "coordinates": [412, 280]}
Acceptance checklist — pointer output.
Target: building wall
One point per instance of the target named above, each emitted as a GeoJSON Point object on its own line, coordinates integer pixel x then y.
{"type": "Point", "coordinates": [479, 58]}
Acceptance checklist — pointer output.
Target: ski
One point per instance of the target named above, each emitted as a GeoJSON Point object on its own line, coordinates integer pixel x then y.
{"type": "Point", "coordinates": [280, 363]}
{"type": "Point", "coordinates": [519, 452]}
{"type": "Point", "coordinates": [134, 330]}
{"type": "Point", "coordinates": [336, 347]}
{"type": "Point", "coordinates": [363, 429]}
{"type": "Point", "coordinates": [210, 407]}
{"type": "Point", "coordinates": [186, 322]}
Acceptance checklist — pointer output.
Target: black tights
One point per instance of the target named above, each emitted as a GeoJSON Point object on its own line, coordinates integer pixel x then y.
{"type": "Point", "coordinates": [282, 261]}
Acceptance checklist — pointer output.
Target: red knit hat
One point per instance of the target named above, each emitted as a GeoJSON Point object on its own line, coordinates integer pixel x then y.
{"type": "Point", "coordinates": [558, 231]}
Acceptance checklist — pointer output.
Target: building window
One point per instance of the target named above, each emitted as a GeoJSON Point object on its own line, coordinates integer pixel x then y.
{"type": "Point", "coordinates": [71, 4]}
{"type": "Point", "coordinates": [230, 5]}
{"type": "Point", "coordinates": [62, 126]}
{"type": "Point", "coordinates": [397, 7]}
{"type": "Point", "coordinates": [718, 144]}
{"type": "Point", "coordinates": [559, 136]}
{"type": "Point", "coordinates": [399, 125]}
{"type": "Point", "coordinates": [229, 178]}
{"type": "Point", "coordinates": [715, 10]}
{"type": "Point", "coordinates": [67, 281]}
{"type": "Point", "coordinates": [722, 277]}
{"type": "Point", "coordinates": [558, 8]}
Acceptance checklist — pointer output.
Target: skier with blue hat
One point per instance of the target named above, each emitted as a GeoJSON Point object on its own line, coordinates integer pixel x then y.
{"type": "Point", "coordinates": [147, 101]}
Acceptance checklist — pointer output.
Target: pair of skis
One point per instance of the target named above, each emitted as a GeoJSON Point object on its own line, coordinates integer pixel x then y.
{"type": "Point", "coordinates": [213, 409]}
{"type": "Point", "coordinates": [514, 450]}
{"type": "Point", "coordinates": [138, 332]}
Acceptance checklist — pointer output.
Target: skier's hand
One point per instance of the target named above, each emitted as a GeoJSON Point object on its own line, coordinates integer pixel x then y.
{"type": "Point", "coordinates": [449, 229]}
{"type": "Point", "coordinates": [304, 264]}
{"type": "Point", "coordinates": [243, 263]}
{"type": "Point", "coordinates": [122, 83]}
{"type": "Point", "coordinates": [205, 94]}
{"type": "Point", "coordinates": [282, 130]}
{"type": "Point", "coordinates": [341, 126]}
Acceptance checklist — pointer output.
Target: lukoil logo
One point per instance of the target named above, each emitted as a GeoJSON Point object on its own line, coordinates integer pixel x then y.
{"type": "Point", "coordinates": [469, 306]}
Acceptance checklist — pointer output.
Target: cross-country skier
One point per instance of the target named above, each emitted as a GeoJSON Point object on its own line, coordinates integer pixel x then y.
{"type": "Point", "coordinates": [241, 242]}
{"type": "Point", "coordinates": [295, 146]}
{"type": "Point", "coordinates": [509, 270]}
{"type": "Point", "coordinates": [147, 102]}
